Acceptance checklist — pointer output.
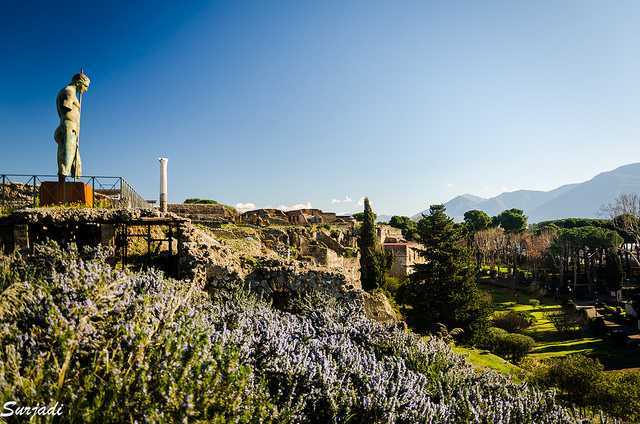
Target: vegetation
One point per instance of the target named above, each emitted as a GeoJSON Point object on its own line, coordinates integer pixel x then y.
{"type": "Point", "coordinates": [483, 359]}
{"type": "Point", "coordinates": [567, 338]}
{"type": "Point", "coordinates": [513, 321]}
{"type": "Point", "coordinates": [360, 216]}
{"type": "Point", "coordinates": [373, 262]}
{"type": "Point", "coordinates": [4, 211]}
{"type": "Point", "coordinates": [116, 347]}
{"type": "Point", "coordinates": [624, 215]}
{"type": "Point", "coordinates": [476, 220]}
{"type": "Point", "coordinates": [574, 223]}
{"type": "Point", "coordinates": [512, 346]}
{"type": "Point", "coordinates": [443, 289]}
{"type": "Point", "coordinates": [513, 221]}
{"type": "Point", "coordinates": [614, 271]}
{"type": "Point", "coordinates": [201, 201]}
{"type": "Point", "coordinates": [407, 225]}
{"type": "Point", "coordinates": [197, 201]}
{"type": "Point", "coordinates": [583, 381]}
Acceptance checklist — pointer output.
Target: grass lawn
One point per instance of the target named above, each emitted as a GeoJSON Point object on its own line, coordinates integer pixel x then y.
{"type": "Point", "coordinates": [549, 342]}
{"type": "Point", "coordinates": [484, 359]}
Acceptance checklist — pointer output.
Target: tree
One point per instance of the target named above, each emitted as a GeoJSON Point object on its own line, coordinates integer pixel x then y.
{"type": "Point", "coordinates": [443, 289]}
{"type": "Point", "coordinates": [477, 220]}
{"type": "Point", "coordinates": [372, 259]}
{"type": "Point", "coordinates": [614, 271]}
{"type": "Point", "coordinates": [625, 216]}
{"type": "Point", "coordinates": [407, 225]}
{"type": "Point", "coordinates": [575, 247]}
{"type": "Point", "coordinates": [490, 244]}
{"type": "Point", "coordinates": [514, 223]}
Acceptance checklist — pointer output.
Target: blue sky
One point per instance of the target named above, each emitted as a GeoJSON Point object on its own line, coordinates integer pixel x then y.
{"type": "Point", "coordinates": [284, 103]}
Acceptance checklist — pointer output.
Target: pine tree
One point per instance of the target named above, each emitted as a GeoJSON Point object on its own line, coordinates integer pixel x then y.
{"type": "Point", "coordinates": [443, 289]}
{"type": "Point", "coordinates": [372, 258]}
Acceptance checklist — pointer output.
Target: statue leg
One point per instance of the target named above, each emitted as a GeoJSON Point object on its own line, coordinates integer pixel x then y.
{"type": "Point", "coordinates": [62, 169]}
{"type": "Point", "coordinates": [76, 168]}
{"type": "Point", "coordinates": [68, 154]}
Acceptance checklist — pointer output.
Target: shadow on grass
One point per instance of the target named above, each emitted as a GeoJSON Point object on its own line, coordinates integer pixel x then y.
{"type": "Point", "coordinates": [546, 309]}
{"type": "Point", "coordinates": [546, 336]}
{"type": "Point", "coordinates": [570, 346]}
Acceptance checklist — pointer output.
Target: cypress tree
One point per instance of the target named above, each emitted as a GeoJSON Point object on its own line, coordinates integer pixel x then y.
{"type": "Point", "coordinates": [443, 288]}
{"type": "Point", "coordinates": [372, 258]}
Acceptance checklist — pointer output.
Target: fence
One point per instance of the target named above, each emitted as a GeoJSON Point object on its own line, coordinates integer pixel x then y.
{"type": "Point", "coordinates": [23, 190]}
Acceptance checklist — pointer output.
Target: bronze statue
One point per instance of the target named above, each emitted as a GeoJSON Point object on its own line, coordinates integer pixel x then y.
{"type": "Point", "coordinates": [67, 135]}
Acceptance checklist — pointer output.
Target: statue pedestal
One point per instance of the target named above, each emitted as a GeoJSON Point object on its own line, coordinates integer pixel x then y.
{"type": "Point", "coordinates": [55, 193]}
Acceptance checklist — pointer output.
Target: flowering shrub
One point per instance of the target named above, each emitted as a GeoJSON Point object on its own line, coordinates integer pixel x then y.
{"type": "Point", "coordinates": [116, 347]}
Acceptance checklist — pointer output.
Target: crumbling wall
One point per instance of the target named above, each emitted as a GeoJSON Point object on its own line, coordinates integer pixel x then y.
{"type": "Point", "coordinates": [205, 214]}
{"type": "Point", "coordinates": [207, 261]}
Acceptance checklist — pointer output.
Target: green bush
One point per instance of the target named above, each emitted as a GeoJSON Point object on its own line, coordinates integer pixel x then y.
{"type": "Point", "coordinates": [534, 302]}
{"type": "Point", "coordinates": [513, 346]}
{"type": "Point", "coordinates": [583, 381]}
{"type": "Point", "coordinates": [491, 337]}
{"type": "Point", "coordinates": [196, 201]}
{"type": "Point", "coordinates": [513, 321]}
{"type": "Point", "coordinates": [392, 285]}
{"type": "Point", "coordinates": [507, 345]}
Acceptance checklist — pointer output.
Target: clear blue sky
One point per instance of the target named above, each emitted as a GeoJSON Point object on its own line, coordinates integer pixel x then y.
{"type": "Point", "coordinates": [281, 103]}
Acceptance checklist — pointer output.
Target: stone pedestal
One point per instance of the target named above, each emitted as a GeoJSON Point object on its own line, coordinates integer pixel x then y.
{"type": "Point", "coordinates": [75, 192]}
{"type": "Point", "coordinates": [107, 234]}
{"type": "Point", "coordinates": [21, 237]}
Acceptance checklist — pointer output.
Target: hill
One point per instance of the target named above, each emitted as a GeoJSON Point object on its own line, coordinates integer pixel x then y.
{"type": "Point", "coordinates": [571, 200]}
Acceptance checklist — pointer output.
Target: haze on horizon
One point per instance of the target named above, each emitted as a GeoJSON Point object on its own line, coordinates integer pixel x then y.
{"type": "Point", "coordinates": [308, 103]}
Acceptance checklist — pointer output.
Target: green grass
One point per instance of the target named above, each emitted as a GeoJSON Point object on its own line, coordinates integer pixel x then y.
{"type": "Point", "coordinates": [482, 359]}
{"type": "Point", "coordinates": [550, 343]}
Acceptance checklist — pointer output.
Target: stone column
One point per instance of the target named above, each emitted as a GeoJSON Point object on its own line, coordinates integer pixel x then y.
{"type": "Point", "coordinates": [163, 184]}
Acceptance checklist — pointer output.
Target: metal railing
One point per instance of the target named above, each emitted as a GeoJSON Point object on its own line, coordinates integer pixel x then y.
{"type": "Point", "coordinates": [23, 190]}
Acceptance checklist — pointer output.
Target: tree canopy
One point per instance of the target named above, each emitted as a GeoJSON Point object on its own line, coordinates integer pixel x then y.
{"type": "Point", "coordinates": [591, 237]}
{"type": "Point", "coordinates": [476, 220]}
{"type": "Point", "coordinates": [407, 225]}
{"type": "Point", "coordinates": [513, 221]}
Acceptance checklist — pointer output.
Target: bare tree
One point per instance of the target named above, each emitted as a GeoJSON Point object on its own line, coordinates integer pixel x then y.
{"type": "Point", "coordinates": [491, 244]}
{"type": "Point", "coordinates": [624, 213]}
{"type": "Point", "coordinates": [536, 246]}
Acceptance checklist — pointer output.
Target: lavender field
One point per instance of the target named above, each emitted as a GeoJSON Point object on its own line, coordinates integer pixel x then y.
{"type": "Point", "coordinates": [138, 347]}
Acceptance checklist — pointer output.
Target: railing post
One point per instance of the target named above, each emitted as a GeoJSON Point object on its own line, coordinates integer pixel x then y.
{"type": "Point", "coordinates": [121, 191]}
{"type": "Point", "coordinates": [4, 188]}
{"type": "Point", "coordinates": [93, 191]}
{"type": "Point", "coordinates": [34, 191]}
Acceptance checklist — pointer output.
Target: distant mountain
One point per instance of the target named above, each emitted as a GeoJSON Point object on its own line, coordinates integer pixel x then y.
{"type": "Point", "coordinates": [383, 218]}
{"type": "Point", "coordinates": [572, 200]}
{"type": "Point", "coordinates": [459, 205]}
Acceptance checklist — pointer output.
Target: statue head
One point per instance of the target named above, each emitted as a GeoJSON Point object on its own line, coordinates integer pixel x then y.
{"type": "Point", "coordinates": [81, 81]}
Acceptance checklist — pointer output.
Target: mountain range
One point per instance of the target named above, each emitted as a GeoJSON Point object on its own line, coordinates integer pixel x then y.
{"type": "Point", "coordinates": [583, 200]}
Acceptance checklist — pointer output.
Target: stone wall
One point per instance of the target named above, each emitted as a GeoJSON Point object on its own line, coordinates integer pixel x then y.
{"type": "Point", "coordinates": [388, 232]}
{"type": "Point", "coordinates": [205, 214]}
{"type": "Point", "coordinates": [210, 262]}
